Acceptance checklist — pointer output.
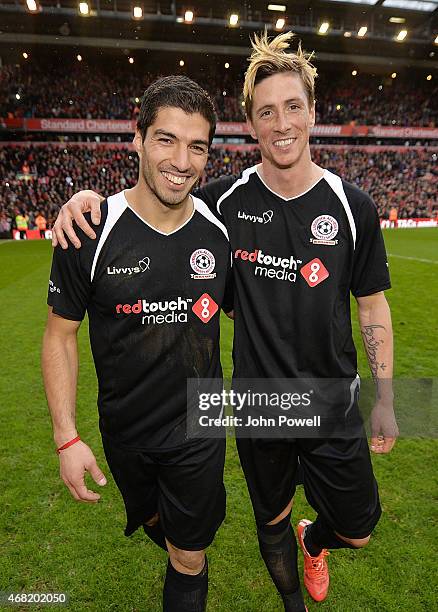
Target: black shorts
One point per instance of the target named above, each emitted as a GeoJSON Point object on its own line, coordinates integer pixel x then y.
{"type": "Point", "coordinates": [184, 485]}
{"type": "Point", "coordinates": [337, 475]}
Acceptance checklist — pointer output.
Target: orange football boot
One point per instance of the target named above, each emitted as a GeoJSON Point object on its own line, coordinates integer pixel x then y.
{"type": "Point", "coordinates": [316, 575]}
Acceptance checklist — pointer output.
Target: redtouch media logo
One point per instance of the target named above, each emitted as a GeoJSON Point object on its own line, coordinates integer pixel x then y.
{"type": "Point", "coordinates": [270, 266]}
{"type": "Point", "coordinates": [156, 313]}
{"type": "Point", "coordinates": [170, 311]}
{"type": "Point", "coordinates": [205, 308]}
{"type": "Point", "coordinates": [314, 272]}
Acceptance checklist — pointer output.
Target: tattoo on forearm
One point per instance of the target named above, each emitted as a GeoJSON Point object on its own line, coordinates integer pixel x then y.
{"type": "Point", "coordinates": [371, 346]}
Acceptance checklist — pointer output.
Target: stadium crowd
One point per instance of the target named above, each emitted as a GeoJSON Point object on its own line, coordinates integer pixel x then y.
{"type": "Point", "coordinates": [365, 101]}
{"type": "Point", "coordinates": [90, 92]}
{"type": "Point", "coordinates": [94, 94]}
{"type": "Point", "coordinates": [40, 179]}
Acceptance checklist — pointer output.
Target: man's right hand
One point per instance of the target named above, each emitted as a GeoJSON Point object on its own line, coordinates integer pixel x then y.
{"type": "Point", "coordinates": [80, 203]}
{"type": "Point", "coordinates": [74, 462]}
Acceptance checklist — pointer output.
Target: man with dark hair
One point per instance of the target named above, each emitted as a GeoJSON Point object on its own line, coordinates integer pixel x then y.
{"type": "Point", "coordinates": [179, 95]}
{"type": "Point", "coordinates": [153, 283]}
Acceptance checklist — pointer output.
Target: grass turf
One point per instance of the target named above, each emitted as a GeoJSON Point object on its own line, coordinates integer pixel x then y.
{"type": "Point", "coordinates": [51, 543]}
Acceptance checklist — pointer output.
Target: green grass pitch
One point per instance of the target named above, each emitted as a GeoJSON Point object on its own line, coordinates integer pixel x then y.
{"type": "Point", "coordinates": [50, 543]}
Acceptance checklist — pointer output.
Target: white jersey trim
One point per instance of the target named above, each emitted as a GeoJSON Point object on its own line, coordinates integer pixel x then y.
{"type": "Point", "coordinates": [283, 197]}
{"type": "Point", "coordinates": [203, 209]}
{"type": "Point", "coordinates": [241, 181]}
{"type": "Point", "coordinates": [335, 183]}
{"type": "Point", "coordinates": [155, 229]}
{"type": "Point", "coordinates": [353, 393]}
{"type": "Point", "coordinates": [117, 205]}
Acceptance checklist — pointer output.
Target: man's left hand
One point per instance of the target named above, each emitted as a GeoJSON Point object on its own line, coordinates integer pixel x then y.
{"type": "Point", "coordinates": [384, 428]}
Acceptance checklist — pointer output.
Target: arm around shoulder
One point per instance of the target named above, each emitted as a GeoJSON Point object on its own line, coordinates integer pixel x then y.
{"type": "Point", "coordinates": [73, 210]}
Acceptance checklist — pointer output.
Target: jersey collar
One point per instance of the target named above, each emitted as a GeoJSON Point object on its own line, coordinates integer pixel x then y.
{"type": "Point", "coordinates": [293, 197]}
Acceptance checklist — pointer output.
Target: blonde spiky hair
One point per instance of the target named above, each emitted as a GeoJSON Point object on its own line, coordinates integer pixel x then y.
{"type": "Point", "coordinates": [269, 57]}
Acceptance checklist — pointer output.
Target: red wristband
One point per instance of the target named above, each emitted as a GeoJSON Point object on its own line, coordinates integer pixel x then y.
{"type": "Point", "coordinates": [67, 444]}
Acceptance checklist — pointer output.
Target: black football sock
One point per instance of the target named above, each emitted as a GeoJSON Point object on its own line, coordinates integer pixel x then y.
{"type": "Point", "coordinates": [320, 535]}
{"type": "Point", "coordinates": [156, 534]}
{"type": "Point", "coordinates": [183, 592]}
{"type": "Point", "coordinates": [278, 548]}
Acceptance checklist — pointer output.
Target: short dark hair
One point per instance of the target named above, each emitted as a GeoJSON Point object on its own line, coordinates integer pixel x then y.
{"type": "Point", "coordinates": [179, 92]}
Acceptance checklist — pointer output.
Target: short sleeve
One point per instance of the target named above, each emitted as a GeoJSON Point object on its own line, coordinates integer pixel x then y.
{"type": "Point", "coordinates": [370, 264]}
{"type": "Point", "coordinates": [69, 285]}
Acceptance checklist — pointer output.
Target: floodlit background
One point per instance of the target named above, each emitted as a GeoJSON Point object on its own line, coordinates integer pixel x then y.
{"type": "Point", "coordinates": [71, 78]}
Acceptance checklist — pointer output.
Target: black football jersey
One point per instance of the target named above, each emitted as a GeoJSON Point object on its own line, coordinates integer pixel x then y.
{"type": "Point", "coordinates": [153, 301]}
{"type": "Point", "coordinates": [296, 260]}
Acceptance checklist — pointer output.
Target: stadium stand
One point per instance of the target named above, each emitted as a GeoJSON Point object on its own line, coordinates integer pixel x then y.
{"type": "Point", "coordinates": [42, 178]}
{"type": "Point", "coordinates": [103, 96]}
{"type": "Point", "coordinates": [67, 113]}
{"type": "Point", "coordinates": [91, 92]}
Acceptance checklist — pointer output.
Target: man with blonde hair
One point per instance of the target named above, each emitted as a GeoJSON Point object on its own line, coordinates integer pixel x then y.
{"type": "Point", "coordinates": [302, 240]}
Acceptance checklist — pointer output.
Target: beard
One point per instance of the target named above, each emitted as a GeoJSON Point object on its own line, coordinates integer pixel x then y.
{"type": "Point", "coordinates": [165, 196]}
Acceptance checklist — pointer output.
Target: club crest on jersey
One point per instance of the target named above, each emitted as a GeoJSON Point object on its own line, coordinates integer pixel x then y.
{"type": "Point", "coordinates": [202, 262]}
{"type": "Point", "coordinates": [324, 229]}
